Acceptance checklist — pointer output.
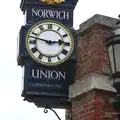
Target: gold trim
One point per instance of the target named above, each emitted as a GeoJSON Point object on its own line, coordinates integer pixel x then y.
{"type": "Point", "coordinates": [45, 22]}
{"type": "Point", "coordinates": [52, 1]}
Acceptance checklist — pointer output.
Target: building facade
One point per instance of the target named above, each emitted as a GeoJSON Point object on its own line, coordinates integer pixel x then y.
{"type": "Point", "coordinates": [92, 91]}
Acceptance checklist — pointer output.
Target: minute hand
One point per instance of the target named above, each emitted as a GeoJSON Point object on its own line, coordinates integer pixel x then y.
{"type": "Point", "coordinates": [39, 39]}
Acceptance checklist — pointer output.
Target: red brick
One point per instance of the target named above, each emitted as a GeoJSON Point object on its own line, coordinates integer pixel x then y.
{"type": "Point", "coordinates": [91, 109]}
{"type": "Point", "coordinates": [92, 57]}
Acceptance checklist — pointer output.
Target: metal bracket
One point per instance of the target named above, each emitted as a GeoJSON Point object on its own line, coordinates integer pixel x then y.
{"type": "Point", "coordinates": [68, 117]}
{"type": "Point", "coordinates": [46, 111]}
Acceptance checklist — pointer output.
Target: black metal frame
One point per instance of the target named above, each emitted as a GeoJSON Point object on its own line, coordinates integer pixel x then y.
{"type": "Point", "coordinates": [48, 108]}
{"type": "Point", "coordinates": [111, 41]}
{"type": "Point", "coordinates": [46, 111]}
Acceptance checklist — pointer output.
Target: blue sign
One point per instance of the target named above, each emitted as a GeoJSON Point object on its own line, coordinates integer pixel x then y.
{"type": "Point", "coordinates": [47, 85]}
{"type": "Point", "coordinates": [40, 83]}
{"type": "Point", "coordinates": [52, 81]}
{"type": "Point", "coordinates": [35, 14]}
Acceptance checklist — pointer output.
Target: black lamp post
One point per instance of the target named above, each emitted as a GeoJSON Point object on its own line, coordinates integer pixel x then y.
{"type": "Point", "coordinates": [113, 48]}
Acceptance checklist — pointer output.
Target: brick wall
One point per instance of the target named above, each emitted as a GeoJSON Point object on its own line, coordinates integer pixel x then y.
{"type": "Point", "coordinates": [94, 105]}
{"type": "Point", "coordinates": [92, 102]}
{"type": "Point", "coordinates": [92, 55]}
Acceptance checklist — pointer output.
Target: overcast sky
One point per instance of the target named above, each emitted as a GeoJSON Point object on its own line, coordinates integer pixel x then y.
{"type": "Point", "coordinates": [12, 106]}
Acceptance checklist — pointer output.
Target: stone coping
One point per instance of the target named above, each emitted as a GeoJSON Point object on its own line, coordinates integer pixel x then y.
{"type": "Point", "coordinates": [90, 82]}
{"type": "Point", "coordinates": [98, 19]}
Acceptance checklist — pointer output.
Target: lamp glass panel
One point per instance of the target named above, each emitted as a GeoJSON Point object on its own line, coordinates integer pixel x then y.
{"type": "Point", "coordinates": [117, 31]}
{"type": "Point", "coordinates": [117, 80]}
{"type": "Point", "coordinates": [117, 56]}
{"type": "Point", "coordinates": [111, 58]}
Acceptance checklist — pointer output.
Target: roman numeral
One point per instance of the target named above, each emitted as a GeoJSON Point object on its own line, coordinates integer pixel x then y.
{"type": "Point", "coordinates": [67, 44]}
{"type": "Point", "coordinates": [41, 27]}
{"type": "Point", "coordinates": [58, 57]}
{"type": "Point", "coordinates": [49, 26]}
{"type": "Point", "coordinates": [34, 33]}
{"type": "Point", "coordinates": [65, 35]}
{"type": "Point", "coordinates": [64, 52]}
{"type": "Point", "coordinates": [34, 50]}
{"type": "Point", "coordinates": [49, 59]}
{"type": "Point", "coordinates": [40, 56]}
{"type": "Point", "coordinates": [33, 42]}
{"type": "Point", "coordinates": [58, 29]}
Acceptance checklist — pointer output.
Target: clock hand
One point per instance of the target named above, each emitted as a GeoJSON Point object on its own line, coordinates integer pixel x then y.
{"type": "Point", "coordinates": [50, 41]}
{"type": "Point", "coordinates": [47, 41]}
{"type": "Point", "coordinates": [61, 42]}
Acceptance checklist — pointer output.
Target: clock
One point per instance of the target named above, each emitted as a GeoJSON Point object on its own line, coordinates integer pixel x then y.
{"type": "Point", "coordinates": [49, 43]}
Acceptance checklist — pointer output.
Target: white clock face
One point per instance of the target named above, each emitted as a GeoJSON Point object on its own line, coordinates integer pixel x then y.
{"type": "Point", "coordinates": [49, 43]}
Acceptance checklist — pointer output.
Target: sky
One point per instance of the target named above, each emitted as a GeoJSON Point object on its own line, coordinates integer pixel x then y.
{"type": "Point", "coordinates": [12, 106]}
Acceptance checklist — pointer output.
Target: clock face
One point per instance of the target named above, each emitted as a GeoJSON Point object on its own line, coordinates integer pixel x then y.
{"type": "Point", "coordinates": [49, 43]}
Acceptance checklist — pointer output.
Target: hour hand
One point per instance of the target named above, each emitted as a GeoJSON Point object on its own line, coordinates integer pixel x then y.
{"type": "Point", "coordinates": [61, 42]}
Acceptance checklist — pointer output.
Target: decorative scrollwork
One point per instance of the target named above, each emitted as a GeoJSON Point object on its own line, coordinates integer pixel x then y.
{"type": "Point", "coordinates": [46, 111]}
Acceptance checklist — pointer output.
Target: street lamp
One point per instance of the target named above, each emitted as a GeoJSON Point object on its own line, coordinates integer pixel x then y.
{"type": "Point", "coordinates": [113, 48]}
